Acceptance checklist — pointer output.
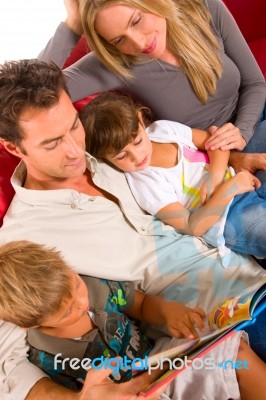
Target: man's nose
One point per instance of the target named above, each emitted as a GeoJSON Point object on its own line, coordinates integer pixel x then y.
{"type": "Point", "coordinates": [72, 147]}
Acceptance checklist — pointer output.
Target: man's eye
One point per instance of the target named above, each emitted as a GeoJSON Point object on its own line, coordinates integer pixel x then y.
{"type": "Point", "coordinates": [138, 142]}
{"type": "Point", "coordinates": [53, 145]}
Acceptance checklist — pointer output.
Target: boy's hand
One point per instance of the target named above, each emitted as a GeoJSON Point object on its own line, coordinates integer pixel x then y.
{"type": "Point", "coordinates": [180, 320]}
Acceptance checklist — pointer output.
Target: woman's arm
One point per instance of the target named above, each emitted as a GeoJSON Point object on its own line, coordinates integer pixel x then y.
{"type": "Point", "coordinates": [252, 86]}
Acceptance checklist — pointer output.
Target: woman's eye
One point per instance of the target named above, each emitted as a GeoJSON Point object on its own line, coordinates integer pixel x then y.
{"type": "Point", "coordinates": [137, 20]}
{"type": "Point", "coordinates": [118, 41]}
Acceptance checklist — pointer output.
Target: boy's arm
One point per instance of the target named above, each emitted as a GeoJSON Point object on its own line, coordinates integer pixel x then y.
{"type": "Point", "coordinates": [198, 222]}
{"type": "Point", "coordinates": [178, 318]}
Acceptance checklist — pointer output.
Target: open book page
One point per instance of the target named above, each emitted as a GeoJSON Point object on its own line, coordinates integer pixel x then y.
{"type": "Point", "coordinates": [219, 323]}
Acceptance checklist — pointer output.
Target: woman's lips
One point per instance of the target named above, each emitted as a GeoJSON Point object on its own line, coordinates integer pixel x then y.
{"type": "Point", "coordinates": [151, 47]}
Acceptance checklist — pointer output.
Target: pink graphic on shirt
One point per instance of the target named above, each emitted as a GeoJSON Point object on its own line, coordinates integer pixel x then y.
{"type": "Point", "coordinates": [196, 155]}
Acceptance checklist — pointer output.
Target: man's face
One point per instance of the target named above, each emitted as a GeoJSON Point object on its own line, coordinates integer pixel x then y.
{"type": "Point", "coordinates": [54, 142]}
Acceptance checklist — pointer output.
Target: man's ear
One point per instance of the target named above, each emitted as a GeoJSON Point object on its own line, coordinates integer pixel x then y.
{"type": "Point", "coordinates": [12, 148]}
{"type": "Point", "coordinates": [141, 118]}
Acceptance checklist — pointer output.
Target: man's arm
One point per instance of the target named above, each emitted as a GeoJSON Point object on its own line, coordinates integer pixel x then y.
{"type": "Point", "coordinates": [17, 374]}
{"type": "Point", "coordinates": [250, 161]}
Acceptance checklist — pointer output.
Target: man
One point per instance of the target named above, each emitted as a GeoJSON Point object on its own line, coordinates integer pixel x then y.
{"type": "Point", "coordinates": [69, 200]}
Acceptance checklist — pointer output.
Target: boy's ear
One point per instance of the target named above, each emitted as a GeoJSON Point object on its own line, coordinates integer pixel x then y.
{"type": "Point", "coordinates": [12, 148]}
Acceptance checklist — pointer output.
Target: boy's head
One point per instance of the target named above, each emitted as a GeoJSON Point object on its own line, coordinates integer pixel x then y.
{"type": "Point", "coordinates": [115, 131]}
{"type": "Point", "coordinates": [38, 288]}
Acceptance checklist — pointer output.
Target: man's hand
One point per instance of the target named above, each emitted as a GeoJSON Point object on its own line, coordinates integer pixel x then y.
{"type": "Point", "coordinates": [97, 386]}
{"type": "Point", "coordinates": [226, 137]}
{"type": "Point", "coordinates": [250, 161]}
{"type": "Point", "coordinates": [73, 20]}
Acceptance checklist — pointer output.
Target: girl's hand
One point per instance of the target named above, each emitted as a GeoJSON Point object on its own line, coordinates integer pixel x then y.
{"type": "Point", "coordinates": [73, 20]}
{"type": "Point", "coordinates": [180, 320]}
{"type": "Point", "coordinates": [227, 137]}
{"type": "Point", "coordinates": [244, 182]}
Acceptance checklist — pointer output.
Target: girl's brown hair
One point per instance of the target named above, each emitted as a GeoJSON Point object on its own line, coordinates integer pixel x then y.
{"type": "Point", "coordinates": [111, 121]}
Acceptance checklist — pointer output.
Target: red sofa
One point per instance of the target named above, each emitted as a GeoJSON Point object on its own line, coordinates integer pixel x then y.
{"type": "Point", "coordinates": [250, 16]}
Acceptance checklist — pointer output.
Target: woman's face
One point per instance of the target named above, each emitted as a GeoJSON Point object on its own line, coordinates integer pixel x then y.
{"type": "Point", "coordinates": [132, 31]}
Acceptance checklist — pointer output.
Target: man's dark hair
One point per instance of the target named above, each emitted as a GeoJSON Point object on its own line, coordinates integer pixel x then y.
{"type": "Point", "coordinates": [26, 84]}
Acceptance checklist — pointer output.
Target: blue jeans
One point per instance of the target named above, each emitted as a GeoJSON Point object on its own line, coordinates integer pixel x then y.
{"type": "Point", "coordinates": [257, 143]}
{"type": "Point", "coordinates": [245, 227]}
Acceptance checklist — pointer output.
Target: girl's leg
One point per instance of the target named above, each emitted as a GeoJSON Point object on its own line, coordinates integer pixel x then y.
{"type": "Point", "coordinates": [252, 382]}
{"type": "Point", "coordinates": [245, 228]}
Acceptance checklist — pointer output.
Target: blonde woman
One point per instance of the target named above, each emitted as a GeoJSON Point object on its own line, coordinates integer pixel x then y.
{"type": "Point", "coordinates": [184, 59]}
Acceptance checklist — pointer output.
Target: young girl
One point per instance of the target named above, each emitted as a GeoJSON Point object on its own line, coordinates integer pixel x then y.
{"type": "Point", "coordinates": [194, 192]}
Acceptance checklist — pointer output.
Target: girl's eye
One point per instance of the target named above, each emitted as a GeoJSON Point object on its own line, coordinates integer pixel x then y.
{"type": "Point", "coordinates": [121, 157]}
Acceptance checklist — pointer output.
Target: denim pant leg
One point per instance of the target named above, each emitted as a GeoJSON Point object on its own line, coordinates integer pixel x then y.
{"type": "Point", "coordinates": [257, 335]}
{"type": "Point", "coordinates": [245, 227]}
{"type": "Point", "coordinates": [257, 143]}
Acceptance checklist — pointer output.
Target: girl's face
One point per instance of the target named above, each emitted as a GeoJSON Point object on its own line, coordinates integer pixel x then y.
{"type": "Point", "coordinates": [132, 31]}
{"type": "Point", "coordinates": [136, 155]}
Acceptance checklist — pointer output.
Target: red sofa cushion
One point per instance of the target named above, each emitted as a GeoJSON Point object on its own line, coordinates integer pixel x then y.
{"type": "Point", "coordinates": [250, 17]}
{"type": "Point", "coordinates": [8, 163]}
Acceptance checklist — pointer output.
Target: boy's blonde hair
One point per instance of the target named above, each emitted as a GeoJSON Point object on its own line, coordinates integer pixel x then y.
{"type": "Point", "coordinates": [33, 282]}
{"type": "Point", "coordinates": [189, 35]}
{"type": "Point", "coordinates": [111, 121]}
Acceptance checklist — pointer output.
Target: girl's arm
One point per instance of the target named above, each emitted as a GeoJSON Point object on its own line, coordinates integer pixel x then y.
{"type": "Point", "coordinates": [218, 164]}
{"type": "Point", "coordinates": [198, 222]}
{"type": "Point", "coordinates": [179, 319]}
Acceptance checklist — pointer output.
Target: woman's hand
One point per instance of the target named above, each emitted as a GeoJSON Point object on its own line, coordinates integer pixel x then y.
{"type": "Point", "coordinates": [73, 20]}
{"type": "Point", "coordinates": [227, 137]}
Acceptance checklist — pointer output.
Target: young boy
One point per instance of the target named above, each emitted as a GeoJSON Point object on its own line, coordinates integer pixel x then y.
{"type": "Point", "coordinates": [71, 318]}
{"type": "Point", "coordinates": [194, 193]}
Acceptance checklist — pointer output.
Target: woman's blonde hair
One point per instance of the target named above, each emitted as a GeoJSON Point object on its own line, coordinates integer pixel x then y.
{"type": "Point", "coordinates": [189, 36]}
{"type": "Point", "coordinates": [33, 282]}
